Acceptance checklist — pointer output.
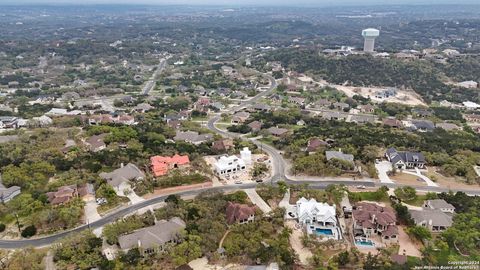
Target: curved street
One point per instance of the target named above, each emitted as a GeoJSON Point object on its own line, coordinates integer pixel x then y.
{"type": "Point", "coordinates": [278, 164]}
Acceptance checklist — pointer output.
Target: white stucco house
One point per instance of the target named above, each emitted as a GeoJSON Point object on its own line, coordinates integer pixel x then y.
{"type": "Point", "coordinates": [233, 164]}
{"type": "Point", "coordinates": [318, 218]}
{"type": "Point", "coordinates": [230, 164]}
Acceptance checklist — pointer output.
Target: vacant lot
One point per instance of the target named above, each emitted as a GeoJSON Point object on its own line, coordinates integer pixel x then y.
{"type": "Point", "coordinates": [407, 179]}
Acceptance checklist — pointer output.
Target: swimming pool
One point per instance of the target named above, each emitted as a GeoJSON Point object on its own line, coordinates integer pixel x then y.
{"type": "Point", "coordinates": [319, 231]}
{"type": "Point", "coordinates": [364, 243]}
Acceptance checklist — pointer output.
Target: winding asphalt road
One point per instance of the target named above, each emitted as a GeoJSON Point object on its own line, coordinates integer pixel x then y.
{"type": "Point", "coordinates": [279, 167]}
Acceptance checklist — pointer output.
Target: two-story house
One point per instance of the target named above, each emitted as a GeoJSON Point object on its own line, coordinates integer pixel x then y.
{"type": "Point", "coordinates": [318, 218]}
{"type": "Point", "coordinates": [405, 160]}
{"type": "Point", "coordinates": [370, 220]}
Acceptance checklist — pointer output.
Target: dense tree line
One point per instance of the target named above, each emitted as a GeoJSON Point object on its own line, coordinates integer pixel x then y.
{"type": "Point", "coordinates": [455, 152]}
{"type": "Point", "coordinates": [359, 70]}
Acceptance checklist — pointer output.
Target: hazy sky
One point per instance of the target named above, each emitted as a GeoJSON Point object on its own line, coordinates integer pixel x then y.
{"type": "Point", "coordinates": [243, 2]}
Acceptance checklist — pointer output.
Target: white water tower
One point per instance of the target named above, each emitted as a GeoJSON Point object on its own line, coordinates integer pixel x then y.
{"type": "Point", "coordinates": [246, 155]}
{"type": "Point", "coordinates": [370, 34]}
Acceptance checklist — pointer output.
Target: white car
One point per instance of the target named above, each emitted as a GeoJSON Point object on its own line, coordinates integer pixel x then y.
{"type": "Point", "coordinates": [101, 201]}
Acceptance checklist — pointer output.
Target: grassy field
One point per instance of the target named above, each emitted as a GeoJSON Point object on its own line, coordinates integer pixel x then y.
{"type": "Point", "coordinates": [418, 201]}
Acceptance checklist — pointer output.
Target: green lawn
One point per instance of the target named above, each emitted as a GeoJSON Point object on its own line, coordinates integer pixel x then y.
{"type": "Point", "coordinates": [268, 140]}
{"type": "Point", "coordinates": [372, 196]}
{"type": "Point", "coordinates": [417, 201]}
{"type": "Point", "coordinates": [200, 118]}
{"type": "Point", "coordinates": [223, 125]}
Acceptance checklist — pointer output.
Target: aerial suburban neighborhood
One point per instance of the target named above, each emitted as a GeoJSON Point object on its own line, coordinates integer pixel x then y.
{"type": "Point", "coordinates": [239, 137]}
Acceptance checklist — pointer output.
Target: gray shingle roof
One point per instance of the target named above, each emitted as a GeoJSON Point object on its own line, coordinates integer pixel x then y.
{"type": "Point", "coordinates": [334, 115]}
{"type": "Point", "coordinates": [153, 236]}
{"type": "Point", "coordinates": [395, 156]}
{"type": "Point", "coordinates": [338, 155]}
{"type": "Point", "coordinates": [192, 136]}
{"type": "Point", "coordinates": [363, 118]}
{"type": "Point", "coordinates": [437, 217]}
{"type": "Point", "coordinates": [447, 126]}
{"type": "Point", "coordinates": [123, 174]}
{"type": "Point", "coordinates": [439, 203]}
{"type": "Point", "coordinates": [423, 124]}
{"type": "Point", "coordinates": [277, 131]}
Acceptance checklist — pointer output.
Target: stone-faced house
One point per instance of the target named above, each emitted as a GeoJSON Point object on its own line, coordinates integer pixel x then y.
{"type": "Point", "coordinates": [405, 160]}
{"type": "Point", "coordinates": [370, 219]}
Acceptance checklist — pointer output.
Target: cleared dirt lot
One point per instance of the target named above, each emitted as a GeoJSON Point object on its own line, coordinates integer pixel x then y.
{"type": "Point", "coordinates": [449, 182]}
{"type": "Point", "coordinates": [296, 243]}
{"type": "Point", "coordinates": [403, 96]}
{"type": "Point", "coordinates": [407, 179]}
{"type": "Point", "coordinates": [407, 246]}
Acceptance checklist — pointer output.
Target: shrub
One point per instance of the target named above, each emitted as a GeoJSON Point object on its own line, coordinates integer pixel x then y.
{"type": "Point", "coordinates": [420, 233]}
{"type": "Point", "coordinates": [29, 231]}
{"type": "Point", "coordinates": [2, 227]}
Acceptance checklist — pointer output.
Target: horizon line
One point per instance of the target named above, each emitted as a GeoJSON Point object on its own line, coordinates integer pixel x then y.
{"type": "Point", "coordinates": [351, 4]}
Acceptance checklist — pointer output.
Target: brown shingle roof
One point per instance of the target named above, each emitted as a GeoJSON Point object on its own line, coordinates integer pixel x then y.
{"type": "Point", "coordinates": [237, 212]}
{"type": "Point", "coordinates": [369, 211]}
{"type": "Point", "coordinates": [314, 144]}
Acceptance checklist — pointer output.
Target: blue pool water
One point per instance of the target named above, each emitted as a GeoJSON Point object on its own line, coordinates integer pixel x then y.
{"type": "Point", "coordinates": [323, 231]}
{"type": "Point", "coordinates": [364, 243]}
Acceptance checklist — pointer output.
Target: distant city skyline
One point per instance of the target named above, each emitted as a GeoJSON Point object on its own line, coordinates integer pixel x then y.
{"type": "Point", "coordinates": [243, 2]}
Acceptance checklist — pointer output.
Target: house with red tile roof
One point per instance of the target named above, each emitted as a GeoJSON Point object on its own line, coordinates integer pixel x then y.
{"type": "Point", "coordinates": [370, 219]}
{"type": "Point", "coordinates": [161, 165]}
{"type": "Point", "coordinates": [240, 213]}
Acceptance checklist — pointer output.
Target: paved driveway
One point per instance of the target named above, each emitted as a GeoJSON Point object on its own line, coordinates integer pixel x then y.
{"type": "Point", "coordinates": [134, 198]}
{"type": "Point", "coordinates": [91, 213]}
{"type": "Point", "coordinates": [382, 168]}
{"type": "Point", "coordinates": [125, 190]}
{"type": "Point", "coordinates": [257, 200]}
{"type": "Point", "coordinates": [427, 180]}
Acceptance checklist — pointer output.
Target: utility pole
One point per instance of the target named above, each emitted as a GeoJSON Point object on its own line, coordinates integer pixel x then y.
{"type": "Point", "coordinates": [18, 223]}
